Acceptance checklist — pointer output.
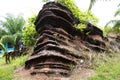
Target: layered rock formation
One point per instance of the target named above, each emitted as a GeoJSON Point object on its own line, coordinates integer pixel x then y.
{"type": "Point", "coordinates": [60, 45]}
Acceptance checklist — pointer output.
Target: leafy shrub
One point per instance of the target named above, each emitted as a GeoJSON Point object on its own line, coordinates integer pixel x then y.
{"type": "Point", "coordinates": [29, 32]}
{"type": "Point", "coordinates": [86, 16]}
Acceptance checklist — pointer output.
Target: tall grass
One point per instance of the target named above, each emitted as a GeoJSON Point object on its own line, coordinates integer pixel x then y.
{"type": "Point", "coordinates": [6, 73]}
{"type": "Point", "coordinates": [7, 70]}
{"type": "Point", "coordinates": [107, 68]}
{"type": "Point", "coordinates": [19, 61]}
{"type": "Point", "coordinates": [109, 29]}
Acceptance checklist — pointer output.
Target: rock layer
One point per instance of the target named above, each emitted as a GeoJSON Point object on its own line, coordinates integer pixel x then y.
{"type": "Point", "coordinates": [60, 45]}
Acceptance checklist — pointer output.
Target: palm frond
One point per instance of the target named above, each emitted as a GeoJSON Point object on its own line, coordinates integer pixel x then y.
{"type": "Point", "coordinates": [9, 23]}
{"type": "Point", "coordinates": [2, 32]}
{"type": "Point", "coordinates": [110, 22]}
{"type": "Point", "coordinates": [7, 38]}
{"type": "Point", "coordinates": [117, 12]}
{"type": "Point", "coordinates": [115, 25]}
{"type": "Point", "coordinates": [92, 2]}
{"type": "Point", "coordinates": [17, 36]}
{"type": "Point", "coordinates": [20, 22]}
{"type": "Point", "coordinates": [2, 47]}
{"type": "Point", "coordinates": [13, 24]}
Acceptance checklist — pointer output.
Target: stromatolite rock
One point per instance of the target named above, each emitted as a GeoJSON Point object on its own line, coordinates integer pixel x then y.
{"type": "Point", "coordinates": [59, 46]}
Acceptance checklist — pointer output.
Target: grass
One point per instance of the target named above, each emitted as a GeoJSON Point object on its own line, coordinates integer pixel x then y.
{"type": "Point", "coordinates": [6, 73]}
{"type": "Point", "coordinates": [105, 64]}
{"type": "Point", "coordinates": [109, 29]}
{"type": "Point", "coordinates": [7, 70]}
{"type": "Point", "coordinates": [19, 61]}
{"type": "Point", "coordinates": [107, 68]}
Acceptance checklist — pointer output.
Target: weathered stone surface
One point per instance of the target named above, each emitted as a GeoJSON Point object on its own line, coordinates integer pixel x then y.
{"type": "Point", "coordinates": [60, 45]}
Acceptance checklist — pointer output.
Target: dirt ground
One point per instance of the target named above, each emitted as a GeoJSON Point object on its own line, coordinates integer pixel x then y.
{"type": "Point", "coordinates": [78, 74]}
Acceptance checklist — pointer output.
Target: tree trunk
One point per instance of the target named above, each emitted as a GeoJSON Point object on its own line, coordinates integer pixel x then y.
{"type": "Point", "coordinates": [17, 48]}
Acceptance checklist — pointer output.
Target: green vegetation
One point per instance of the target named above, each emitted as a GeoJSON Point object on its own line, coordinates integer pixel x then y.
{"type": "Point", "coordinates": [114, 24]}
{"type": "Point", "coordinates": [19, 61]}
{"type": "Point", "coordinates": [7, 70]}
{"type": "Point", "coordinates": [109, 29]}
{"type": "Point", "coordinates": [11, 30]}
{"type": "Point", "coordinates": [105, 64]}
{"type": "Point", "coordinates": [86, 16]}
{"type": "Point", "coordinates": [2, 47]}
{"type": "Point", "coordinates": [107, 67]}
{"type": "Point", "coordinates": [92, 2]}
{"type": "Point", "coordinates": [29, 33]}
{"type": "Point", "coordinates": [6, 73]}
{"type": "Point", "coordinates": [83, 16]}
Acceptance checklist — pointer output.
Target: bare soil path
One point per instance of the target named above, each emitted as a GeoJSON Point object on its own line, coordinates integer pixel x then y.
{"type": "Point", "coordinates": [80, 74]}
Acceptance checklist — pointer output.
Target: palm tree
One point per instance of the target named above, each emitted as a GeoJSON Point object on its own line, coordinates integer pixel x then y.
{"type": "Point", "coordinates": [115, 23]}
{"type": "Point", "coordinates": [117, 13]}
{"type": "Point", "coordinates": [11, 30]}
{"type": "Point", "coordinates": [92, 2]}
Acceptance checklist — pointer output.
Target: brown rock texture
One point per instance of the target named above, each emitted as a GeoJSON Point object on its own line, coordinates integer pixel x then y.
{"type": "Point", "coordinates": [60, 45]}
